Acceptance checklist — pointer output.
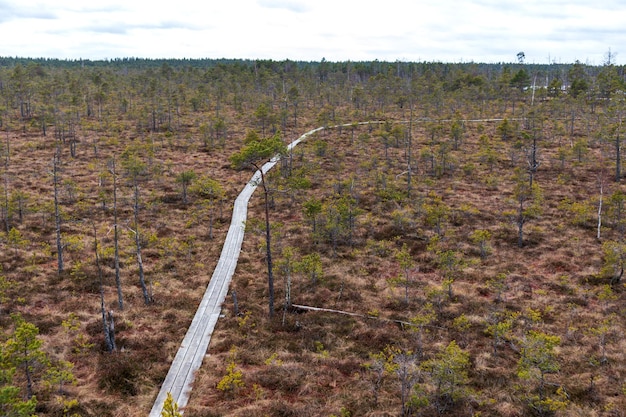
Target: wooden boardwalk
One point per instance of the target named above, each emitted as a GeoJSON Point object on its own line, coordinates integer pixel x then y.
{"type": "Point", "coordinates": [189, 357]}
{"type": "Point", "coordinates": [196, 342]}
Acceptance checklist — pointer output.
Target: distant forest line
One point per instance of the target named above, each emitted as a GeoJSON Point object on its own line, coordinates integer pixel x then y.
{"type": "Point", "coordinates": [361, 68]}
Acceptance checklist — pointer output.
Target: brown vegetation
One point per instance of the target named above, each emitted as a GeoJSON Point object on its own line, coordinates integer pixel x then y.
{"type": "Point", "coordinates": [309, 363]}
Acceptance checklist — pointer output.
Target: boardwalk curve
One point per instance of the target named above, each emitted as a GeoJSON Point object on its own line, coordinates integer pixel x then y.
{"type": "Point", "coordinates": [193, 348]}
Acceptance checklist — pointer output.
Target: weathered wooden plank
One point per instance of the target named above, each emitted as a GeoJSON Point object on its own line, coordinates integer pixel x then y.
{"type": "Point", "coordinates": [192, 350]}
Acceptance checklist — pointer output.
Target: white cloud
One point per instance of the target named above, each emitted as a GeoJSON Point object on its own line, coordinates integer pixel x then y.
{"type": "Point", "coordinates": [430, 30]}
{"type": "Point", "coordinates": [293, 6]}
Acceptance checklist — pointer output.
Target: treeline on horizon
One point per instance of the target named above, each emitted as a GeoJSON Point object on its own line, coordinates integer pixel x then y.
{"type": "Point", "coordinates": [362, 68]}
{"type": "Point", "coordinates": [390, 82]}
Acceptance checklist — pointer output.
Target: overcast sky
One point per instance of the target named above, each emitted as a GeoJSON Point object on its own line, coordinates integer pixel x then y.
{"type": "Point", "coordinates": [546, 31]}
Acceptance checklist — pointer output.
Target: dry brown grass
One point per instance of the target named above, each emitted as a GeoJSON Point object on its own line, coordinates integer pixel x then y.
{"type": "Point", "coordinates": [549, 275]}
{"type": "Point", "coordinates": [317, 359]}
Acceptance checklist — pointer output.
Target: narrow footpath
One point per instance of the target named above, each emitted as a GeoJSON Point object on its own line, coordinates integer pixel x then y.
{"type": "Point", "coordinates": [194, 346]}
{"type": "Point", "coordinates": [196, 342]}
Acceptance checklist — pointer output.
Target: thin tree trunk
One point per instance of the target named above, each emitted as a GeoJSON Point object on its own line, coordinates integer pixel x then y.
{"type": "Point", "coordinates": [235, 303]}
{"type": "Point", "coordinates": [533, 164]}
{"type": "Point", "coordinates": [118, 281]}
{"type": "Point", "coordinates": [57, 215]}
{"type": "Point", "coordinates": [408, 163]}
{"type": "Point", "coordinates": [111, 329]}
{"type": "Point", "coordinates": [520, 224]}
{"type": "Point", "coordinates": [43, 123]}
{"type": "Point", "coordinates": [288, 289]}
{"type": "Point", "coordinates": [142, 281]}
{"type": "Point", "coordinates": [270, 272]}
{"type": "Point", "coordinates": [110, 346]}
{"type": "Point", "coordinates": [20, 208]}
{"type": "Point", "coordinates": [29, 380]}
{"type": "Point", "coordinates": [618, 159]}
{"type": "Point", "coordinates": [287, 303]}
{"type": "Point", "coordinates": [600, 213]}
{"type": "Point", "coordinates": [6, 185]}
{"type": "Point", "coordinates": [211, 216]}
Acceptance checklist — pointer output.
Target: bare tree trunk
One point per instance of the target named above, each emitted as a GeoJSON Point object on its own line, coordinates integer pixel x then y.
{"type": "Point", "coordinates": [108, 341]}
{"type": "Point", "coordinates": [43, 122]}
{"type": "Point", "coordinates": [118, 282]}
{"type": "Point", "coordinates": [287, 304]}
{"type": "Point", "coordinates": [235, 303]}
{"type": "Point", "coordinates": [111, 330]}
{"type": "Point", "coordinates": [72, 135]}
{"type": "Point", "coordinates": [409, 146]}
{"type": "Point", "coordinates": [618, 159]}
{"type": "Point", "coordinates": [6, 184]}
{"type": "Point", "coordinates": [146, 296]}
{"type": "Point", "coordinates": [520, 225]}
{"type": "Point", "coordinates": [211, 219]}
{"type": "Point", "coordinates": [295, 115]}
{"type": "Point", "coordinates": [270, 272]}
{"type": "Point", "coordinates": [533, 164]}
{"type": "Point", "coordinates": [600, 212]}
{"type": "Point", "coordinates": [57, 215]}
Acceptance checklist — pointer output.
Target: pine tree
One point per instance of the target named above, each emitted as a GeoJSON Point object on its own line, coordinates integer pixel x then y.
{"type": "Point", "coordinates": [449, 372]}
{"type": "Point", "coordinates": [170, 407]}
{"type": "Point", "coordinates": [539, 359]}
{"type": "Point", "coordinates": [23, 351]}
{"type": "Point", "coordinates": [254, 152]}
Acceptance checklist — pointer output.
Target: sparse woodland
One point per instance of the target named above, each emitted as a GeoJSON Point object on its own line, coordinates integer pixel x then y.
{"type": "Point", "coordinates": [475, 232]}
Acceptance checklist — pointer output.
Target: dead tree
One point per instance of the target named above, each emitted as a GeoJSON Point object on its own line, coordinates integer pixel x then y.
{"type": "Point", "coordinates": [107, 323]}
{"type": "Point", "coordinates": [118, 283]}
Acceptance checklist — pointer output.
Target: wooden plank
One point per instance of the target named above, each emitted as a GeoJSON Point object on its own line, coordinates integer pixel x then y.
{"type": "Point", "coordinates": [192, 350]}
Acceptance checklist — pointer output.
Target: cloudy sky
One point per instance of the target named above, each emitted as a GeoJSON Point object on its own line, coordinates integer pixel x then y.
{"type": "Point", "coordinates": [338, 30]}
